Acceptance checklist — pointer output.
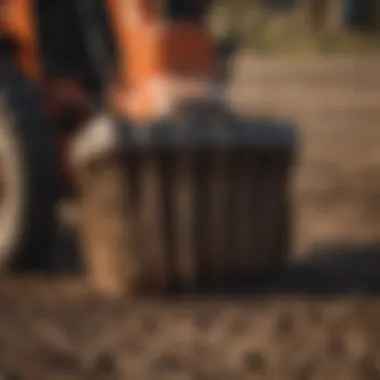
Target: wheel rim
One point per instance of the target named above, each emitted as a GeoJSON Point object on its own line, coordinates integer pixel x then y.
{"type": "Point", "coordinates": [11, 185]}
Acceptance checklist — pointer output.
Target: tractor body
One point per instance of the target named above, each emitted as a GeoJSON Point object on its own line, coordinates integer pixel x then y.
{"type": "Point", "coordinates": [132, 109]}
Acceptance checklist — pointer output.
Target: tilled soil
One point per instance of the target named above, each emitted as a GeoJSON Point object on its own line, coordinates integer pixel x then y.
{"type": "Point", "coordinates": [321, 321]}
{"type": "Point", "coordinates": [58, 330]}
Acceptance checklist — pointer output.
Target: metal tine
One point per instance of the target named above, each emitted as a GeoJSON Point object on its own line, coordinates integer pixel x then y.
{"type": "Point", "coordinates": [107, 233]}
{"type": "Point", "coordinates": [202, 224]}
{"type": "Point", "coordinates": [218, 207]}
{"type": "Point", "coordinates": [266, 209]}
{"type": "Point", "coordinates": [280, 243]}
{"type": "Point", "coordinates": [167, 167]}
{"type": "Point", "coordinates": [246, 183]}
{"type": "Point", "coordinates": [150, 221]}
{"type": "Point", "coordinates": [185, 211]}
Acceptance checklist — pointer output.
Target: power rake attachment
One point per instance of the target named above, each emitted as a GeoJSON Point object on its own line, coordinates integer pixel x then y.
{"type": "Point", "coordinates": [196, 203]}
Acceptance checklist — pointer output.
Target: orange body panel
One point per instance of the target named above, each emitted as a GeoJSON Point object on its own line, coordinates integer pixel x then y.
{"type": "Point", "coordinates": [17, 20]}
{"type": "Point", "coordinates": [152, 50]}
{"type": "Point", "coordinates": [154, 54]}
{"type": "Point", "coordinates": [177, 48]}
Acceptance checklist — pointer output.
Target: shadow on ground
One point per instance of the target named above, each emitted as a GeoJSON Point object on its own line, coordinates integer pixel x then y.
{"type": "Point", "coordinates": [328, 270]}
{"type": "Point", "coordinates": [335, 268]}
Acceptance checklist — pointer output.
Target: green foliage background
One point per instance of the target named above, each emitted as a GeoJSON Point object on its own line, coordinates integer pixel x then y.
{"type": "Point", "coordinates": [268, 30]}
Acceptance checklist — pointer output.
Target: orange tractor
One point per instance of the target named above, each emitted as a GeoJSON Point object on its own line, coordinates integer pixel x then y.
{"type": "Point", "coordinates": [82, 78]}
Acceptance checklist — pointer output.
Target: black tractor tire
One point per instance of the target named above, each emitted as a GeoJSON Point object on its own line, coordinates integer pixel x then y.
{"type": "Point", "coordinates": [29, 169]}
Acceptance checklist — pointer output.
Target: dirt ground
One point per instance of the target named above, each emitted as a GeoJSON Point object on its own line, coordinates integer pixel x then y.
{"type": "Point", "coordinates": [335, 103]}
{"type": "Point", "coordinates": [63, 332]}
{"type": "Point", "coordinates": [319, 322]}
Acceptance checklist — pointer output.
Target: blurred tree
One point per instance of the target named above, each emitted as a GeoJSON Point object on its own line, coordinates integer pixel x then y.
{"type": "Point", "coordinates": [362, 14]}
{"type": "Point", "coordinates": [280, 4]}
{"type": "Point", "coordinates": [334, 15]}
{"type": "Point", "coordinates": [313, 12]}
{"type": "Point", "coordinates": [376, 13]}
